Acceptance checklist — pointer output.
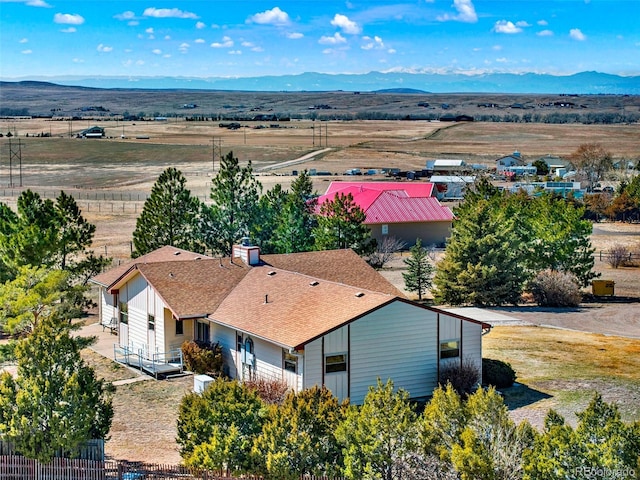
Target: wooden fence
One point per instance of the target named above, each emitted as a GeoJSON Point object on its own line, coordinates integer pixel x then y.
{"type": "Point", "coordinates": [91, 450]}
{"type": "Point", "coordinates": [15, 467]}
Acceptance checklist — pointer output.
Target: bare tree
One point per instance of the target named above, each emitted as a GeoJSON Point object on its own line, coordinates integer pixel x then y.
{"type": "Point", "coordinates": [384, 252]}
{"type": "Point", "coordinates": [593, 161]}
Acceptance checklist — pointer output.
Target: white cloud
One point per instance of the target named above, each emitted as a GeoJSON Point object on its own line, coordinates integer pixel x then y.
{"type": "Point", "coordinates": [166, 55]}
{"type": "Point", "coordinates": [69, 30]}
{"type": "Point", "coordinates": [501, 60]}
{"type": "Point", "coordinates": [545, 33]}
{"type": "Point", "coordinates": [168, 13]}
{"type": "Point", "coordinates": [149, 30]}
{"type": "Point", "coordinates": [347, 26]}
{"type": "Point", "coordinates": [576, 34]}
{"type": "Point", "coordinates": [128, 15]}
{"type": "Point", "coordinates": [104, 48]}
{"type": "Point", "coordinates": [167, 37]}
{"type": "Point", "coordinates": [391, 51]}
{"type": "Point", "coordinates": [372, 43]}
{"type": "Point", "coordinates": [497, 48]}
{"type": "Point", "coordinates": [200, 25]}
{"type": "Point", "coordinates": [466, 12]}
{"type": "Point", "coordinates": [247, 44]}
{"type": "Point", "coordinates": [235, 52]}
{"type": "Point", "coordinates": [335, 40]}
{"type": "Point", "coordinates": [37, 3]}
{"type": "Point", "coordinates": [199, 40]}
{"type": "Point", "coordinates": [275, 16]}
{"type": "Point", "coordinates": [226, 43]}
{"type": "Point", "coordinates": [542, 23]}
{"type": "Point", "coordinates": [68, 18]}
{"type": "Point", "coordinates": [504, 26]}
{"type": "Point", "coordinates": [24, 40]}
{"type": "Point", "coordinates": [294, 35]}
{"type": "Point", "coordinates": [522, 23]}
{"type": "Point", "coordinates": [78, 60]}
{"type": "Point", "coordinates": [133, 23]}
{"type": "Point", "coordinates": [27, 52]}
{"type": "Point", "coordinates": [156, 51]}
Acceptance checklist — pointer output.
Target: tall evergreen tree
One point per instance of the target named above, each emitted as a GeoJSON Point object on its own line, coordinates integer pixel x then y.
{"type": "Point", "coordinates": [482, 260]}
{"type": "Point", "coordinates": [75, 233]}
{"type": "Point", "coordinates": [341, 225]}
{"type": "Point", "coordinates": [56, 403]}
{"type": "Point", "coordinates": [267, 218]}
{"type": "Point", "coordinates": [296, 220]}
{"type": "Point", "coordinates": [170, 216]}
{"type": "Point", "coordinates": [235, 193]}
{"type": "Point", "coordinates": [419, 270]}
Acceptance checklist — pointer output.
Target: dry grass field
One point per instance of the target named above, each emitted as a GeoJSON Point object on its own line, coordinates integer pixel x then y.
{"type": "Point", "coordinates": [110, 177]}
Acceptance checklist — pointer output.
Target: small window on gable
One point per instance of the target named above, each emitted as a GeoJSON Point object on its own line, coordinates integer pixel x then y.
{"type": "Point", "coordinates": [239, 343]}
{"type": "Point", "coordinates": [450, 349]}
{"type": "Point", "coordinates": [385, 229]}
{"type": "Point", "coordinates": [335, 363]}
{"type": "Point", "coordinates": [179, 327]}
{"type": "Point", "coordinates": [151, 322]}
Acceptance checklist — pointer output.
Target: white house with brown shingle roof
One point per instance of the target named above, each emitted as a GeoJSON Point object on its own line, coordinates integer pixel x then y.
{"type": "Point", "coordinates": [314, 318]}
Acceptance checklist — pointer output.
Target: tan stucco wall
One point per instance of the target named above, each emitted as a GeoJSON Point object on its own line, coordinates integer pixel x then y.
{"type": "Point", "coordinates": [431, 233]}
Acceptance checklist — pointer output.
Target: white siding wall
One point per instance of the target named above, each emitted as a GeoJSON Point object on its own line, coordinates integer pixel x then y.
{"type": "Point", "coordinates": [313, 364]}
{"type": "Point", "coordinates": [449, 328]}
{"type": "Point", "coordinates": [137, 294]}
{"type": "Point", "coordinates": [227, 339]}
{"type": "Point", "coordinates": [107, 308]}
{"type": "Point", "coordinates": [399, 342]}
{"type": "Point", "coordinates": [268, 359]}
{"type": "Point", "coordinates": [472, 344]}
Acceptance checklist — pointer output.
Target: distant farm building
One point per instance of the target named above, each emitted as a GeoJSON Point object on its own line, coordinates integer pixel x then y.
{"type": "Point", "coordinates": [451, 187]}
{"type": "Point", "coordinates": [93, 132]}
{"type": "Point", "coordinates": [404, 210]}
{"type": "Point", "coordinates": [514, 164]}
{"type": "Point", "coordinates": [445, 166]}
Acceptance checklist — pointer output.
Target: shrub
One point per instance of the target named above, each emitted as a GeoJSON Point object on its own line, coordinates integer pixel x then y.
{"type": "Point", "coordinates": [202, 357]}
{"type": "Point", "coordinates": [497, 373]}
{"type": "Point", "coordinates": [618, 256]}
{"type": "Point", "coordinates": [271, 391]}
{"type": "Point", "coordinates": [463, 377]}
{"type": "Point", "coordinates": [551, 288]}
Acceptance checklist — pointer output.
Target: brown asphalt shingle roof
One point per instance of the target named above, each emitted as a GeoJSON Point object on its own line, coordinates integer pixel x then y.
{"type": "Point", "coordinates": [233, 293]}
{"type": "Point", "coordinates": [292, 309]}
{"type": "Point", "coordinates": [162, 254]}
{"type": "Point", "coordinates": [340, 266]}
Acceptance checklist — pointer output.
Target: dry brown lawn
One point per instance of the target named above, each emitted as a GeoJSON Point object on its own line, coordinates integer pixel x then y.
{"type": "Point", "coordinates": [98, 171]}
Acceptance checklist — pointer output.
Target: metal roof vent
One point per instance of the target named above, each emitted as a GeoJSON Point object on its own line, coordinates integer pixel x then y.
{"type": "Point", "coordinates": [271, 273]}
{"type": "Point", "coordinates": [360, 294]}
{"type": "Point", "coordinates": [314, 283]}
{"type": "Point", "coordinates": [177, 253]}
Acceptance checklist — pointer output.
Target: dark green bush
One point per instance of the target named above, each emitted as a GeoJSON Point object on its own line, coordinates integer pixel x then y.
{"type": "Point", "coordinates": [497, 373]}
{"type": "Point", "coordinates": [463, 377]}
{"type": "Point", "coordinates": [202, 358]}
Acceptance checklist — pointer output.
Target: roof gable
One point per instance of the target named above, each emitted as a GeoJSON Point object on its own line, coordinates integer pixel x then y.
{"type": "Point", "coordinates": [390, 208]}
{"type": "Point", "coordinates": [162, 254]}
{"type": "Point", "coordinates": [292, 308]}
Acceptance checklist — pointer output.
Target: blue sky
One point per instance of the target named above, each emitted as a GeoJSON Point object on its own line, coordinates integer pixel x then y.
{"type": "Point", "coordinates": [238, 38]}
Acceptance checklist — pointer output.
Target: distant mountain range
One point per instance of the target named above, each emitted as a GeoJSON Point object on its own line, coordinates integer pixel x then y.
{"type": "Point", "coordinates": [398, 82]}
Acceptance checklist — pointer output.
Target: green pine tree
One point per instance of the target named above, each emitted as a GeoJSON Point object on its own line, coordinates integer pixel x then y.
{"type": "Point", "coordinates": [482, 263]}
{"type": "Point", "coordinates": [341, 225]}
{"type": "Point", "coordinates": [419, 270]}
{"type": "Point", "coordinates": [235, 193]}
{"type": "Point", "coordinates": [56, 403]}
{"type": "Point", "coordinates": [170, 216]}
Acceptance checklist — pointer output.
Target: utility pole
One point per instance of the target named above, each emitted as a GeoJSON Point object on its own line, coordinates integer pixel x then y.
{"type": "Point", "coordinates": [215, 149]}
{"type": "Point", "coordinates": [17, 154]}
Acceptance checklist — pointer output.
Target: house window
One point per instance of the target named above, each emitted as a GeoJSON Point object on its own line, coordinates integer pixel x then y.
{"type": "Point", "coordinates": [151, 322]}
{"type": "Point", "coordinates": [124, 313]}
{"type": "Point", "coordinates": [179, 327]}
{"type": "Point", "coordinates": [450, 349]}
{"type": "Point", "coordinates": [385, 229]}
{"type": "Point", "coordinates": [290, 363]}
{"type": "Point", "coordinates": [335, 363]}
{"type": "Point", "coordinates": [202, 333]}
